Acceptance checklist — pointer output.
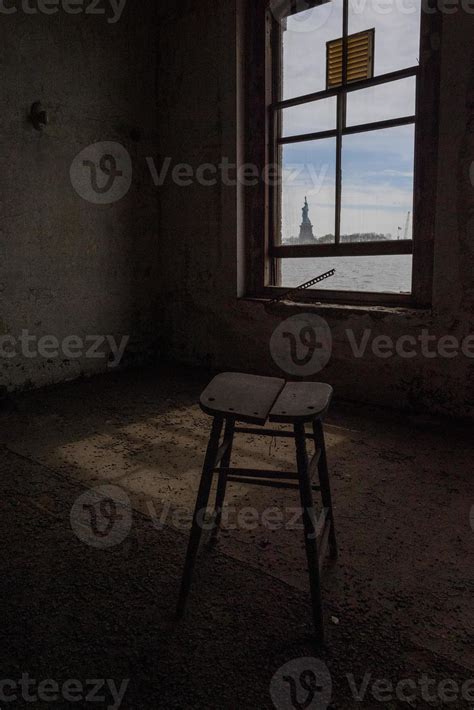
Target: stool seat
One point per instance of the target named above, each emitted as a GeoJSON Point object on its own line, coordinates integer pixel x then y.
{"type": "Point", "coordinates": [248, 398]}
{"type": "Point", "coordinates": [301, 402]}
{"type": "Point", "coordinates": [254, 399]}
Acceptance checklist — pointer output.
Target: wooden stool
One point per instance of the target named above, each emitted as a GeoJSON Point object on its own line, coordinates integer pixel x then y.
{"type": "Point", "coordinates": [232, 398]}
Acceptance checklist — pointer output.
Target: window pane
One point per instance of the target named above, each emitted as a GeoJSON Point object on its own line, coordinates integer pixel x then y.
{"type": "Point", "coordinates": [381, 103]}
{"type": "Point", "coordinates": [304, 48]}
{"type": "Point", "coordinates": [385, 274]}
{"type": "Point", "coordinates": [309, 118]}
{"type": "Point", "coordinates": [397, 31]}
{"type": "Point", "coordinates": [377, 185]}
{"type": "Point", "coordinates": [309, 170]}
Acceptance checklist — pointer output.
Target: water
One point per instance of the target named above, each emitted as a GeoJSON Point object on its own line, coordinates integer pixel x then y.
{"type": "Point", "coordinates": [389, 274]}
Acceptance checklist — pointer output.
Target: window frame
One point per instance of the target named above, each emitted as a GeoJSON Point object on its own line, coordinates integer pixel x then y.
{"type": "Point", "coordinates": [265, 253]}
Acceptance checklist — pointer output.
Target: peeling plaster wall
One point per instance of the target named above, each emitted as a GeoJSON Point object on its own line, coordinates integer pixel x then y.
{"type": "Point", "coordinates": [68, 267]}
{"type": "Point", "coordinates": [202, 319]}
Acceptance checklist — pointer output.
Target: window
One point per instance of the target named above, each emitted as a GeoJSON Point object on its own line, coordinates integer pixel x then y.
{"type": "Point", "coordinates": [352, 125]}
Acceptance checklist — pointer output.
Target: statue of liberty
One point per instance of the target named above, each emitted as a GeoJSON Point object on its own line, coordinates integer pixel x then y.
{"type": "Point", "coordinates": [306, 229]}
{"type": "Point", "coordinates": [305, 211]}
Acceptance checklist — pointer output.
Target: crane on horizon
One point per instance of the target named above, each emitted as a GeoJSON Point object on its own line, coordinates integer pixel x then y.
{"type": "Point", "coordinates": [407, 227]}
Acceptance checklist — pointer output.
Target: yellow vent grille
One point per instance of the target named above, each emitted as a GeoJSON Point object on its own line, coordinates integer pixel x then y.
{"type": "Point", "coordinates": [360, 58]}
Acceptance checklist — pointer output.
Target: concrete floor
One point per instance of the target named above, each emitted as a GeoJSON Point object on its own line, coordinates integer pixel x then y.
{"type": "Point", "coordinates": [399, 601]}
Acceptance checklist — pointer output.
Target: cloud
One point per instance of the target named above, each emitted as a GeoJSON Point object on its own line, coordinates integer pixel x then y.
{"type": "Point", "coordinates": [392, 173]}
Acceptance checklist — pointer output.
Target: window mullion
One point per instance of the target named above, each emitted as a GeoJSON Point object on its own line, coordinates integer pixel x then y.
{"type": "Point", "coordinates": [341, 120]}
{"type": "Point", "coordinates": [345, 41]}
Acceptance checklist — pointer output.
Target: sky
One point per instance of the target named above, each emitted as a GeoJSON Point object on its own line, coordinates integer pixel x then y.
{"type": "Point", "coordinates": [378, 166]}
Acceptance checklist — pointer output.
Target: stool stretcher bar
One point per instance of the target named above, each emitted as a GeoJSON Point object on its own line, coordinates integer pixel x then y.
{"type": "Point", "coordinates": [259, 473]}
{"type": "Point", "coordinates": [269, 432]}
{"type": "Point", "coordinates": [264, 482]}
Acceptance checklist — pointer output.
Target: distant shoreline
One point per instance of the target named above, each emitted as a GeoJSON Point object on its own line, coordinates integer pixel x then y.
{"type": "Point", "coordinates": [347, 238]}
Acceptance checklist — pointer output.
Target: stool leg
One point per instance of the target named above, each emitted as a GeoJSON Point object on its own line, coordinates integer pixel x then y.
{"type": "Point", "coordinates": [222, 483]}
{"type": "Point", "coordinates": [201, 503]}
{"type": "Point", "coordinates": [310, 529]}
{"type": "Point", "coordinates": [323, 471]}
